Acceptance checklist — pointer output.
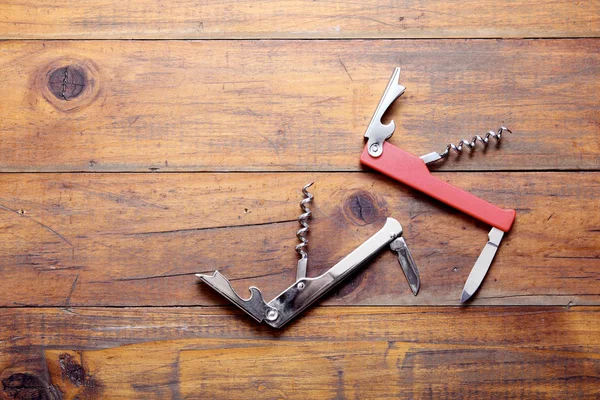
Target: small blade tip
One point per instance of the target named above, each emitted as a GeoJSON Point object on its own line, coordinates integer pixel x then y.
{"type": "Point", "coordinates": [415, 289]}
{"type": "Point", "coordinates": [465, 296]}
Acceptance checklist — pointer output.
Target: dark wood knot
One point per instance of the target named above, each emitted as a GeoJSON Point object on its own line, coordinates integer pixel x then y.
{"type": "Point", "coordinates": [67, 82]}
{"type": "Point", "coordinates": [72, 369]}
{"type": "Point", "coordinates": [361, 208]}
{"type": "Point", "coordinates": [25, 386]}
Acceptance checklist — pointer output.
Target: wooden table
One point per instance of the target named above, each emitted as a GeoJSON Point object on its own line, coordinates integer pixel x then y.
{"type": "Point", "coordinates": [127, 166]}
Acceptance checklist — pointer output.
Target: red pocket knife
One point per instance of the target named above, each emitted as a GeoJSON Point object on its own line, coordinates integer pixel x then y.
{"type": "Point", "coordinates": [412, 171]}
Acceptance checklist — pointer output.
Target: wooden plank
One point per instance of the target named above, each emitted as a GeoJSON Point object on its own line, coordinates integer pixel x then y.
{"type": "Point", "coordinates": [317, 370]}
{"type": "Point", "coordinates": [138, 239]}
{"type": "Point", "coordinates": [292, 105]}
{"type": "Point", "coordinates": [420, 350]}
{"type": "Point", "coordinates": [568, 329]}
{"type": "Point", "coordinates": [162, 19]}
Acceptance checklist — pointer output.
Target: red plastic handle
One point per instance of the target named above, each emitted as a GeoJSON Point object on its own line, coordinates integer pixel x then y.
{"type": "Point", "coordinates": [411, 170]}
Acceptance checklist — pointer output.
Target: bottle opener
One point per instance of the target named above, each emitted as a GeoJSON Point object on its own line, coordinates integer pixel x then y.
{"type": "Point", "coordinates": [305, 291]}
{"type": "Point", "coordinates": [412, 171]}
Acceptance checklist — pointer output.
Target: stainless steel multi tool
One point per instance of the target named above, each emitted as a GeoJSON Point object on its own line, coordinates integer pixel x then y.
{"type": "Point", "coordinates": [412, 171]}
{"type": "Point", "coordinates": [305, 291]}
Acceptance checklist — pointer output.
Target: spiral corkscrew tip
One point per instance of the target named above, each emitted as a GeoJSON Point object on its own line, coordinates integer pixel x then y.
{"type": "Point", "coordinates": [301, 233]}
{"type": "Point", "coordinates": [471, 144]}
{"type": "Point", "coordinates": [302, 219]}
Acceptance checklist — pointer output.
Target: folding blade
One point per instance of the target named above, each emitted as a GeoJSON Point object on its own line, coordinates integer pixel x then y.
{"type": "Point", "coordinates": [408, 264]}
{"type": "Point", "coordinates": [482, 264]}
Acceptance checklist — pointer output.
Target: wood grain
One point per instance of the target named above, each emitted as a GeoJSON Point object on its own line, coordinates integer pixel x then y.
{"type": "Point", "coordinates": [60, 19]}
{"type": "Point", "coordinates": [138, 239]}
{"type": "Point", "coordinates": [98, 298]}
{"type": "Point", "coordinates": [316, 370]}
{"type": "Point", "coordinates": [293, 105]}
{"type": "Point", "coordinates": [568, 329]}
{"type": "Point", "coordinates": [541, 352]}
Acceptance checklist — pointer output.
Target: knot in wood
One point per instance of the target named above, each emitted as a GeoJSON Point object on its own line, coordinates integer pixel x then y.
{"type": "Point", "coordinates": [72, 369]}
{"type": "Point", "coordinates": [361, 207]}
{"type": "Point", "coordinates": [67, 82]}
{"type": "Point", "coordinates": [24, 386]}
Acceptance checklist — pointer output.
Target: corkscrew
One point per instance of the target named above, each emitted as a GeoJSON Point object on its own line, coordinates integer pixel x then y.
{"type": "Point", "coordinates": [412, 171]}
{"type": "Point", "coordinates": [305, 291]}
{"type": "Point", "coordinates": [301, 233]}
{"type": "Point", "coordinates": [485, 140]}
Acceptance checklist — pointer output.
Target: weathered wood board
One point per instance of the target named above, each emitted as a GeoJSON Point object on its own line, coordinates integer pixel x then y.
{"type": "Point", "coordinates": [176, 19]}
{"type": "Point", "coordinates": [293, 105]}
{"type": "Point", "coordinates": [127, 166]}
{"type": "Point", "coordinates": [424, 352]}
{"type": "Point", "coordinates": [138, 239]}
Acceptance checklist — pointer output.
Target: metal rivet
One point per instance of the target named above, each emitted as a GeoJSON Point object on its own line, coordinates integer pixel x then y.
{"type": "Point", "coordinates": [301, 286]}
{"type": "Point", "coordinates": [375, 147]}
{"type": "Point", "coordinates": [272, 315]}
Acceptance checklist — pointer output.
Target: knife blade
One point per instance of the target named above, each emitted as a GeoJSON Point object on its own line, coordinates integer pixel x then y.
{"type": "Point", "coordinates": [408, 264]}
{"type": "Point", "coordinates": [482, 264]}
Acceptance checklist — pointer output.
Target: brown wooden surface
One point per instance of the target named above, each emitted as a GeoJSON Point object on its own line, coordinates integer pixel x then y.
{"type": "Point", "coordinates": [138, 239]}
{"type": "Point", "coordinates": [177, 19]}
{"type": "Point", "coordinates": [293, 105]}
{"type": "Point", "coordinates": [425, 351]}
{"type": "Point", "coordinates": [128, 166]}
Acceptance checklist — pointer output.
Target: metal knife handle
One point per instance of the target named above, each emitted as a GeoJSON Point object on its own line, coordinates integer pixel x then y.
{"type": "Point", "coordinates": [306, 291]}
{"type": "Point", "coordinates": [412, 171]}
